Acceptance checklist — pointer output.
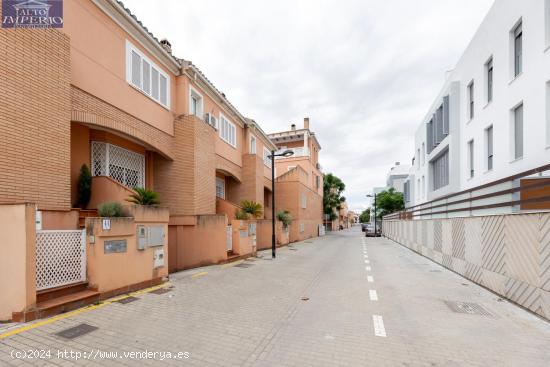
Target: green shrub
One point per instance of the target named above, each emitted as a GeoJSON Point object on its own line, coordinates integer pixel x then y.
{"type": "Point", "coordinates": [84, 186]}
{"type": "Point", "coordinates": [285, 217]}
{"type": "Point", "coordinates": [142, 196]}
{"type": "Point", "coordinates": [241, 215]}
{"type": "Point", "coordinates": [110, 209]}
{"type": "Point", "coordinates": [252, 208]}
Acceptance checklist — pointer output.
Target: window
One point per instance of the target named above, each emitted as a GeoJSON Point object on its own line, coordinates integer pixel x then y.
{"type": "Point", "coordinates": [122, 165]}
{"type": "Point", "coordinates": [423, 153]}
{"type": "Point", "coordinates": [220, 188]}
{"type": "Point", "coordinates": [429, 135]}
{"type": "Point", "coordinates": [406, 191]}
{"type": "Point", "coordinates": [471, 158]}
{"type": "Point", "coordinates": [228, 131]}
{"type": "Point", "coordinates": [518, 49]}
{"type": "Point", "coordinates": [317, 181]}
{"type": "Point", "coordinates": [440, 171]}
{"type": "Point", "coordinates": [518, 132]}
{"type": "Point", "coordinates": [418, 163]}
{"type": "Point", "coordinates": [471, 100]}
{"type": "Point", "coordinates": [267, 157]}
{"type": "Point", "coordinates": [146, 76]}
{"type": "Point", "coordinates": [302, 227]}
{"type": "Point", "coordinates": [252, 144]}
{"type": "Point", "coordinates": [304, 201]}
{"type": "Point", "coordinates": [195, 103]}
{"type": "Point", "coordinates": [489, 76]}
{"type": "Point", "coordinates": [418, 188]}
{"type": "Point", "coordinates": [489, 138]}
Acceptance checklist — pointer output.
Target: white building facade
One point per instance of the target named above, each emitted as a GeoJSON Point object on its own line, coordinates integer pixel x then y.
{"type": "Point", "coordinates": [491, 119]}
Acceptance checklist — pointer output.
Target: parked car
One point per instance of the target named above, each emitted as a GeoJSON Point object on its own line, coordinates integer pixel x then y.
{"type": "Point", "coordinates": [364, 226]}
{"type": "Point", "coordinates": [370, 232]}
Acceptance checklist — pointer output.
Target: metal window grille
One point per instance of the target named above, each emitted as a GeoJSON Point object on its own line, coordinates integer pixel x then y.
{"type": "Point", "coordinates": [120, 164]}
{"type": "Point", "coordinates": [220, 187]}
{"type": "Point", "coordinates": [441, 171]}
{"type": "Point", "coordinates": [60, 258]}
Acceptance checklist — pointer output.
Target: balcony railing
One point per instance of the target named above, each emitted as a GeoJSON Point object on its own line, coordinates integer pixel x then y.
{"type": "Point", "coordinates": [298, 152]}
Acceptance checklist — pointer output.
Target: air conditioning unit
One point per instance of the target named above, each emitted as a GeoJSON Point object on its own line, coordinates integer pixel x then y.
{"type": "Point", "coordinates": [211, 120]}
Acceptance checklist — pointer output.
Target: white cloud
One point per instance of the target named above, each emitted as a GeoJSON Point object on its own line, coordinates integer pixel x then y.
{"type": "Point", "coordinates": [365, 72]}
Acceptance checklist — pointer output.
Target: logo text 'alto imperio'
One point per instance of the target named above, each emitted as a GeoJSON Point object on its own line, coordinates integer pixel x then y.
{"type": "Point", "coordinates": [32, 13]}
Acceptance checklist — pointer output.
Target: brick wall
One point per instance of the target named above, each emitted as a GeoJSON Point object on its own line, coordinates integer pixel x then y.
{"type": "Point", "coordinates": [35, 116]}
{"type": "Point", "coordinates": [89, 109]}
{"type": "Point", "coordinates": [187, 184]}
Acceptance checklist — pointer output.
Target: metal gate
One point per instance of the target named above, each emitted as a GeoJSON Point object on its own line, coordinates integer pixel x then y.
{"type": "Point", "coordinates": [60, 258]}
{"type": "Point", "coordinates": [229, 240]}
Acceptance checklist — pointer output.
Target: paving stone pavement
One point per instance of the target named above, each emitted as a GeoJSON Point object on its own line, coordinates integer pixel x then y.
{"type": "Point", "coordinates": [312, 306]}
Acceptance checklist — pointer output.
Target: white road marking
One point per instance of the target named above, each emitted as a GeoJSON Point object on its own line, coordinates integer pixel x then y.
{"type": "Point", "coordinates": [373, 295]}
{"type": "Point", "coordinates": [368, 268]}
{"type": "Point", "coordinates": [379, 329]}
{"type": "Point", "coordinates": [367, 261]}
{"type": "Point", "coordinates": [366, 256]}
{"type": "Point", "coordinates": [370, 279]}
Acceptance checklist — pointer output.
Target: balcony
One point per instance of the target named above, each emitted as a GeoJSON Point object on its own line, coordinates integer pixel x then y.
{"type": "Point", "coordinates": [298, 152]}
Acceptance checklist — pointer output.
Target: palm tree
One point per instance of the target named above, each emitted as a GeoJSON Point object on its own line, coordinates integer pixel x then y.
{"type": "Point", "coordinates": [142, 196]}
{"type": "Point", "coordinates": [253, 208]}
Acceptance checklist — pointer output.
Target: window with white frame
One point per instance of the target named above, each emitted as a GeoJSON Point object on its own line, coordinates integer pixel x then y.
{"type": "Point", "coordinates": [489, 79]}
{"type": "Point", "coordinates": [489, 140]}
{"type": "Point", "coordinates": [220, 187]}
{"type": "Point", "coordinates": [517, 132]}
{"type": "Point", "coordinates": [146, 76]}
{"type": "Point", "coordinates": [303, 201]}
{"type": "Point", "coordinates": [122, 165]}
{"type": "Point", "coordinates": [196, 104]}
{"type": "Point", "coordinates": [228, 131]}
{"type": "Point", "coordinates": [252, 144]}
{"type": "Point", "coordinates": [517, 34]}
{"type": "Point", "coordinates": [471, 158]}
{"type": "Point", "coordinates": [471, 100]}
{"type": "Point", "coordinates": [302, 227]}
{"type": "Point", "coordinates": [267, 157]}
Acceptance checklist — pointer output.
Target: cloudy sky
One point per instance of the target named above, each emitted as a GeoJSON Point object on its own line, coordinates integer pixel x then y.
{"type": "Point", "coordinates": [365, 72]}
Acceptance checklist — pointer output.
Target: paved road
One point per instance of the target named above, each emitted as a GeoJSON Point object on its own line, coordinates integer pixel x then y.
{"type": "Point", "coordinates": [341, 300]}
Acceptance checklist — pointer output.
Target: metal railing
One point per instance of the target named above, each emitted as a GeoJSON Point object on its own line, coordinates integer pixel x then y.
{"type": "Point", "coordinates": [521, 191]}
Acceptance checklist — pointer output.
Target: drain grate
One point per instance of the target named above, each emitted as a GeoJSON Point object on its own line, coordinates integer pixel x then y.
{"type": "Point", "coordinates": [127, 300]}
{"type": "Point", "coordinates": [160, 291]}
{"type": "Point", "coordinates": [243, 265]}
{"type": "Point", "coordinates": [76, 331]}
{"type": "Point", "coordinates": [468, 308]}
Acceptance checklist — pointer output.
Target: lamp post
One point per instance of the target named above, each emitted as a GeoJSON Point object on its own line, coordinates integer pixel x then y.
{"type": "Point", "coordinates": [286, 153]}
{"type": "Point", "coordinates": [370, 196]}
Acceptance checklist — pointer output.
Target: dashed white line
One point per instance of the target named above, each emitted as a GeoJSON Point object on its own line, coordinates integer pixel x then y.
{"type": "Point", "coordinates": [379, 329]}
{"type": "Point", "coordinates": [366, 256]}
{"type": "Point", "coordinates": [373, 295]}
{"type": "Point", "coordinates": [367, 261]}
{"type": "Point", "coordinates": [370, 278]}
{"type": "Point", "coordinates": [368, 268]}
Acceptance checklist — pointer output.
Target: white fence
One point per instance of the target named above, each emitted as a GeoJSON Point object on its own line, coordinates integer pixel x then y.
{"type": "Point", "coordinates": [60, 258]}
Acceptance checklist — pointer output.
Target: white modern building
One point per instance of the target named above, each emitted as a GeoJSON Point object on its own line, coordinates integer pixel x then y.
{"type": "Point", "coordinates": [397, 176]}
{"type": "Point", "coordinates": [491, 118]}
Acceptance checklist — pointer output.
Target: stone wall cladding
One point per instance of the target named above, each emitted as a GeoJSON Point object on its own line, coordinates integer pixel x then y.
{"type": "Point", "coordinates": [89, 109]}
{"type": "Point", "coordinates": [35, 74]}
{"type": "Point", "coordinates": [508, 254]}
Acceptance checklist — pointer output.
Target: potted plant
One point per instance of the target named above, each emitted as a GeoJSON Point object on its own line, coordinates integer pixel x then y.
{"type": "Point", "coordinates": [143, 196]}
{"type": "Point", "coordinates": [285, 217]}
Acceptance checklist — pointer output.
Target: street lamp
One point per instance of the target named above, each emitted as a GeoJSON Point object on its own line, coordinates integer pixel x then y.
{"type": "Point", "coordinates": [370, 196]}
{"type": "Point", "coordinates": [286, 153]}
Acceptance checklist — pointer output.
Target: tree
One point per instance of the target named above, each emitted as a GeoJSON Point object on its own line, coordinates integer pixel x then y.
{"type": "Point", "coordinates": [364, 217]}
{"type": "Point", "coordinates": [389, 201]}
{"type": "Point", "coordinates": [84, 186]}
{"type": "Point", "coordinates": [333, 187]}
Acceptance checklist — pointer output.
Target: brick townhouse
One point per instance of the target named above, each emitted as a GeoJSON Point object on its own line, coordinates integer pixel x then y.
{"type": "Point", "coordinates": [299, 181]}
{"type": "Point", "coordinates": [104, 92]}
